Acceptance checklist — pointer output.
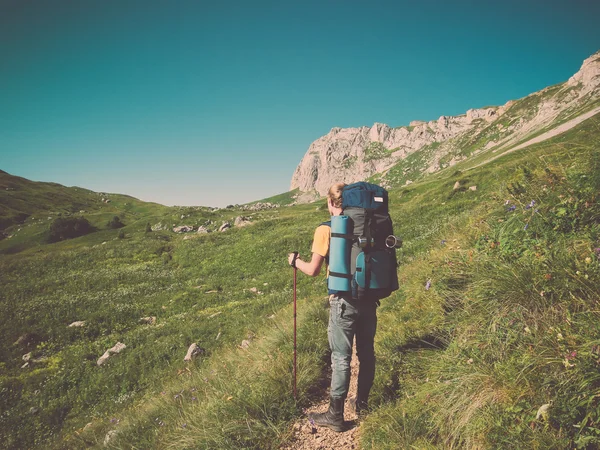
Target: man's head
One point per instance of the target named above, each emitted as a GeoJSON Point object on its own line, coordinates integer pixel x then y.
{"type": "Point", "coordinates": [334, 199]}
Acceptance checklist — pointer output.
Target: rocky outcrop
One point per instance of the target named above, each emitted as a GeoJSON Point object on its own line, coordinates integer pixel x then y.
{"type": "Point", "coordinates": [354, 154]}
{"type": "Point", "coordinates": [588, 77]}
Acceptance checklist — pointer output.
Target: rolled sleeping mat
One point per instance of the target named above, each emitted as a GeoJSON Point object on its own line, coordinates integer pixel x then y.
{"type": "Point", "coordinates": [339, 253]}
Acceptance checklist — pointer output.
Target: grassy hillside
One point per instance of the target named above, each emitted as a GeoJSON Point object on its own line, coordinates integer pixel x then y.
{"type": "Point", "coordinates": [496, 317]}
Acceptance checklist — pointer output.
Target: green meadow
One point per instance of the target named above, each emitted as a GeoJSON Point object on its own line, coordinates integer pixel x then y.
{"type": "Point", "coordinates": [492, 341]}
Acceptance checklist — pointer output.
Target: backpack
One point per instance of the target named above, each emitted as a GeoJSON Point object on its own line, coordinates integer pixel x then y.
{"type": "Point", "coordinates": [362, 253]}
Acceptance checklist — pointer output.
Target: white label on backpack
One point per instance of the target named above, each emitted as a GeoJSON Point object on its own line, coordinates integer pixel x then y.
{"type": "Point", "coordinates": [378, 199]}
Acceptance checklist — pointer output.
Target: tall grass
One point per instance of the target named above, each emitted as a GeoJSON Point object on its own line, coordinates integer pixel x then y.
{"type": "Point", "coordinates": [513, 296]}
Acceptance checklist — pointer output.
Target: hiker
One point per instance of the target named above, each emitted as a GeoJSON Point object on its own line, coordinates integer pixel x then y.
{"type": "Point", "coordinates": [348, 318]}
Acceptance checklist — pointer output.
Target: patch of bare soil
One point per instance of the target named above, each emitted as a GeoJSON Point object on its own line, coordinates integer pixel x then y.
{"type": "Point", "coordinates": [307, 437]}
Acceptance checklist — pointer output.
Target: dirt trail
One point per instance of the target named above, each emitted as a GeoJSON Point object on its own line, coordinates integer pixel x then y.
{"type": "Point", "coordinates": [305, 437]}
{"type": "Point", "coordinates": [548, 134]}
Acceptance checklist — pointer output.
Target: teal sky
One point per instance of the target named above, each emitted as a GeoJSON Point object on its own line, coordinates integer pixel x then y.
{"type": "Point", "coordinates": [213, 103]}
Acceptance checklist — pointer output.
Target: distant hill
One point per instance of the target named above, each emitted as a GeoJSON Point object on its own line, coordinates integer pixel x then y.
{"type": "Point", "coordinates": [21, 198]}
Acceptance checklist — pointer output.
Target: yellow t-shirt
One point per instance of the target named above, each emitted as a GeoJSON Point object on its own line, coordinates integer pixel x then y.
{"type": "Point", "coordinates": [321, 240]}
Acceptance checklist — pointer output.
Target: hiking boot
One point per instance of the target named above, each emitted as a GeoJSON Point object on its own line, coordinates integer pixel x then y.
{"type": "Point", "coordinates": [333, 418]}
{"type": "Point", "coordinates": [361, 407]}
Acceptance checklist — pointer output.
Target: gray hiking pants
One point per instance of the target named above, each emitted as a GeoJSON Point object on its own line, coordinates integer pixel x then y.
{"type": "Point", "coordinates": [349, 318]}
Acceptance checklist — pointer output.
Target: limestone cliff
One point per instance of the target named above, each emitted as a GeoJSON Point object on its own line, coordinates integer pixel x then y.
{"type": "Point", "coordinates": [353, 154]}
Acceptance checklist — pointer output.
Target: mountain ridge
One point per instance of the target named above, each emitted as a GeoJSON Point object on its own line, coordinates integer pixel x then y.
{"type": "Point", "coordinates": [354, 154]}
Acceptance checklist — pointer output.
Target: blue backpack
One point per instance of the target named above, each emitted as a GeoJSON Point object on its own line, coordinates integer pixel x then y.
{"type": "Point", "coordinates": [362, 252]}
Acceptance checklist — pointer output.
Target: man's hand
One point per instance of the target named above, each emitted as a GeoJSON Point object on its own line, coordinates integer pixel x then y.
{"type": "Point", "coordinates": [292, 257]}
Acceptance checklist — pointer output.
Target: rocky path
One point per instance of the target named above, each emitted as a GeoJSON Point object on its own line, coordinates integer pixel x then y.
{"type": "Point", "coordinates": [305, 437]}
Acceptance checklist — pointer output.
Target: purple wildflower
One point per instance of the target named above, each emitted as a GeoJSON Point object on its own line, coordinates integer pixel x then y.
{"type": "Point", "coordinates": [115, 421]}
{"type": "Point", "coordinates": [176, 396]}
{"type": "Point", "coordinates": [184, 425]}
{"type": "Point", "coordinates": [531, 205]}
{"type": "Point", "coordinates": [525, 227]}
{"type": "Point", "coordinates": [511, 208]}
{"type": "Point", "coordinates": [313, 427]}
{"type": "Point", "coordinates": [427, 285]}
{"type": "Point", "coordinates": [443, 242]}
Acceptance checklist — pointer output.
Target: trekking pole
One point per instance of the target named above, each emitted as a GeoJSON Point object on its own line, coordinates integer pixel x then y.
{"type": "Point", "coordinates": [295, 365]}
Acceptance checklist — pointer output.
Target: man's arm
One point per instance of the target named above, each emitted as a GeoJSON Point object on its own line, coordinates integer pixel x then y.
{"type": "Point", "coordinates": [312, 268]}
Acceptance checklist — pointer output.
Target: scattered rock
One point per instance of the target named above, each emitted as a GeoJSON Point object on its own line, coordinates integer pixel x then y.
{"type": "Point", "coordinates": [245, 343]}
{"type": "Point", "coordinates": [183, 229]}
{"type": "Point", "coordinates": [28, 340]}
{"type": "Point", "coordinates": [26, 357]}
{"type": "Point", "coordinates": [473, 188]}
{"type": "Point", "coordinates": [225, 226]}
{"type": "Point", "coordinates": [77, 324]}
{"type": "Point", "coordinates": [34, 410]}
{"type": "Point", "coordinates": [193, 352]}
{"type": "Point", "coordinates": [260, 206]}
{"type": "Point", "coordinates": [151, 320]}
{"type": "Point", "coordinates": [202, 230]}
{"type": "Point", "coordinates": [109, 437]}
{"type": "Point", "coordinates": [158, 227]}
{"type": "Point", "coordinates": [456, 185]}
{"type": "Point", "coordinates": [543, 411]}
{"type": "Point", "coordinates": [241, 221]}
{"type": "Point", "coordinates": [118, 348]}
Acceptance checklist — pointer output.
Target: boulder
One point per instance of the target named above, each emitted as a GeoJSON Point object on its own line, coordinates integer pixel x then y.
{"type": "Point", "coordinates": [193, 351]}
{"type": "Point", "coordinates": [183, 229]}
{"type": "Point", "coordinates": [225, 226]}
{"type": "Point", "coordinates": [77, 324]}
{"type": "Point", "coordinates": [456, 186]}
{"type": "Point", "coordinates": [118, 348]}
{"type": "Point", "coordinates": [151, 320]}
{"type": "Point", "coordinates": [202, 230]}
{"type": "Point", "coordinates": [241, 221]}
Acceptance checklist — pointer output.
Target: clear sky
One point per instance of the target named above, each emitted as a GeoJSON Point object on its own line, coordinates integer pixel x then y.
{"type": "Point", "coordinates": [216, 102]}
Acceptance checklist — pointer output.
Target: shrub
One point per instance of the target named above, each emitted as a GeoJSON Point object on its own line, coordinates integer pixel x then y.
{"type": "Point", "coordinates": [69, 227]}
{"type": "Point", "coordinates": [115, 223]}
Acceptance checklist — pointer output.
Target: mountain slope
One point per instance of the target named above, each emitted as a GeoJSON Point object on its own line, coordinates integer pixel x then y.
{"type": "Point", "coordinates": [354, 154]}
{"type": "Point", "coordinates": [21, 198]}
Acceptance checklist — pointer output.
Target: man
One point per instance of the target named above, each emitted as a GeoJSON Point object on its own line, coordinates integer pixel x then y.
{"type": "Point", "coordinates": [348, 318]}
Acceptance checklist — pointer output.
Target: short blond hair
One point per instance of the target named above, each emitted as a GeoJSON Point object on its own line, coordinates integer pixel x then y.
{"type": "Point", "coordinates": [335, 194]}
